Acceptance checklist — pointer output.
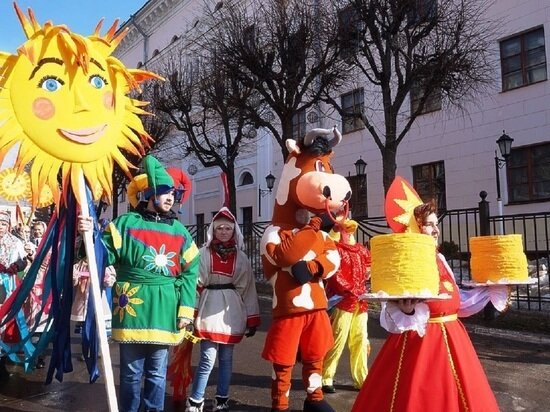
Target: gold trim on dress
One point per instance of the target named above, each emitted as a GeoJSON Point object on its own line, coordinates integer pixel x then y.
{"type": "Point", "coordinates": [443, 319]}
{"type": "Point", "coordinates": [394, 393]}
{"type": "Point", "coordinates": [452, 364]}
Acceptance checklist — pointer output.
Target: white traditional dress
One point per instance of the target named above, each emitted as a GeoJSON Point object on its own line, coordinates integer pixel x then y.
{"type": "Point", "coordinates": [228, 303]}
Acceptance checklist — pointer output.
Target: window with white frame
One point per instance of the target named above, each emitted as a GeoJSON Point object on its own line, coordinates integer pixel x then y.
{"type": "Point", "coordinates": [349, 32]}
{"type": "Point", "coordinates": [358, 204]}
{"type": "Point", "coordinates": [246, 213]}
{"type": "Point", "coordinates": [422, 11]}
{"type": "Point", "coordinates": [246, 179]}
{"type": "Point", "coordinates": [523, 59]}
{"type": "Point", "coordinates": [432, 102]}
{"type": "Point", "coordinates": [249, 37]}
{"type": "Point", "coordinates": [299, 124]}
{"type": "Point", "coordinates": [429, 182]}
{"type": "Point", "coordinates": [528, 170]}
{"type": "Point", "coordinates": [352, 104]}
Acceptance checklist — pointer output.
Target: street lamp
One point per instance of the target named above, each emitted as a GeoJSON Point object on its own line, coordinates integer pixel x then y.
{"type": "Point", "coordinates": [192, 169]}
{"type": "Point", "coordinates": [270, 182]}
{"type": "Point", "coordinates": [504, 143]}
{"type": "Point", "coordinates": [359, 205]}
{"type": "Point", "coordinates": [360, 166]}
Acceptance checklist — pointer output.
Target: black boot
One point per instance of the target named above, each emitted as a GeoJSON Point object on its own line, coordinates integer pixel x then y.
{"type": "Point", "coordinates": [329, 389]}
{"type": "Point", "coordinates": [317, 406]}
{"type": "Point", "coordinates": [222, 403]}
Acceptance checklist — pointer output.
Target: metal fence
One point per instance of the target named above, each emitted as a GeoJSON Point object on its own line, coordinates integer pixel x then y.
{"type": "Point", "coordinates": [456, 227]}
{"type": "Point", "coordinates": [535, 229]}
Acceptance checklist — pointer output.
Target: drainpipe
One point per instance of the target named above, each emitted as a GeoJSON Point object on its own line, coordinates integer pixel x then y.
{"type": "Point", "coordinates": [145, 40]}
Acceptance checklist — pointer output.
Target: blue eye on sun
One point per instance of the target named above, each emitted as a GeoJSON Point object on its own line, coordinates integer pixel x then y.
{"type": "Point", "coordinates": [98, 81]}
{"type": "Point", "coordinates": [51, 83]}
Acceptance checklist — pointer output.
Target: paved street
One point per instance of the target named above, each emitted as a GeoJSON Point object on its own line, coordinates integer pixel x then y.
{"type": "Point", "coordinates": [518, 369]}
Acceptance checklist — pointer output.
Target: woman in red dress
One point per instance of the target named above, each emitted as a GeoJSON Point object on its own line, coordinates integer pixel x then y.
{"type": "Point", "coordinates": [428, 362]}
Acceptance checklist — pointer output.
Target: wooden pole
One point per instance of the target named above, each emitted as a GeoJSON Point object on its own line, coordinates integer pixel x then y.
{"type": "Point", "coordinates": [95, 291]}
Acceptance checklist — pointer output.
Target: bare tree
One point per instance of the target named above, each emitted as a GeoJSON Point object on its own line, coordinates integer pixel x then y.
{"type": "Point", "coordinates": [210, 108]}
{"type": "Point", "coordinates": [435, 51]}
{"type": "Point", "coordinates": [285, 50]}
{"type": "Point", "coordinates": [160, 131]}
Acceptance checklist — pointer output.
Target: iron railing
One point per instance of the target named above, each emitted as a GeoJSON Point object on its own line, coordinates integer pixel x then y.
{"type": "Point", "coordinates": [535, 229]}
{"type": "Point", "coordinates": [457, 227]}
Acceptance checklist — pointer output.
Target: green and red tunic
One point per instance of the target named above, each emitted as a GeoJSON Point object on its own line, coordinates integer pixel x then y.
{"type": "Point", "coordinates": [156, 262]}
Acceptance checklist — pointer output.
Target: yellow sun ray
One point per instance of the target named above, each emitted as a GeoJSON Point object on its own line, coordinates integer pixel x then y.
{"type": "Point", "coordinates": [64, 99]}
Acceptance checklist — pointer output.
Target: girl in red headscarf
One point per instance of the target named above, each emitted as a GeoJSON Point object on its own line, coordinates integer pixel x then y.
{"type": "Point", "coordinates": [227, 310]}
{"type": "Point", "coordinates": [428, 362]}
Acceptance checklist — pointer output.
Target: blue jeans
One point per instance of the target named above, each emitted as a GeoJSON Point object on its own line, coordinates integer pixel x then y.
{"type": "Point", "coordinates": [209, 350]}
{"type": "Point", "coordinates": [137, 360]}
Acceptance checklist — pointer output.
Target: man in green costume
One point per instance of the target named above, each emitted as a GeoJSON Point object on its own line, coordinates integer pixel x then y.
{"type": "Point", "coordinates": [156, 263]}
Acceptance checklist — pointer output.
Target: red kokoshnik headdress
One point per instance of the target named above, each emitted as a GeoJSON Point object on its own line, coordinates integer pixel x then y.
{"type": "Point", "coordinates": [401, 200]}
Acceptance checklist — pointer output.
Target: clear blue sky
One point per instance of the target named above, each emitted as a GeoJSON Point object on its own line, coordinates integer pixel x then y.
{"type": "Point", "coordinates": [81, 16]}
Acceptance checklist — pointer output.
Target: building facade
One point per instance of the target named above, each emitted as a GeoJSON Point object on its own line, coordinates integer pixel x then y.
{"type": "Point", "coordinates": [447, 154]}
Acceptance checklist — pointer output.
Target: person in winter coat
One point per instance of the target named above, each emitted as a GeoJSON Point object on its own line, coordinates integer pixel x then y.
{"type": "Point", "coordinates": [156, 264]}
{"type": "Point", "coordinates": [13, 259]}
{"type": "Point", "coordinates": [227, 310]}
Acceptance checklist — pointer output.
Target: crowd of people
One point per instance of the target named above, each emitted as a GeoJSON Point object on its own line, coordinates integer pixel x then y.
{"type": "Point", "coordinates": [164, 286]}
{"type": "Point", "coordinates": [17, 250]}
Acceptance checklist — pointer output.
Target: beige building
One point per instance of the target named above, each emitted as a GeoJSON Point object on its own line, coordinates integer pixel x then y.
{"type": "Point", "coordinates": [447, 154]}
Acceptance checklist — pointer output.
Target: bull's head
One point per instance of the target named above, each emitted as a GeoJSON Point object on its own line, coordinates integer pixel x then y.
{"type": "Point", "coordinates": [308, 182]}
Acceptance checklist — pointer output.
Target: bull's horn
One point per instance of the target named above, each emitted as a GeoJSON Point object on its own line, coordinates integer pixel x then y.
{"type": "Point", "coordinates": [313, 133]}
{"type": "Point", "coordinates": [337, 137]}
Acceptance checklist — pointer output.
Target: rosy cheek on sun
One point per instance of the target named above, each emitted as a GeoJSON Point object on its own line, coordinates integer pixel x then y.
{"type": "Point", "coordinates": [43, 108]}
{"type": "Point", "coordinates": [108, 100]}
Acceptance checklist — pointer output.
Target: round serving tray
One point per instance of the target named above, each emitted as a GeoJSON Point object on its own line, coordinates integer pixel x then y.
{"type": "Point", "coordinates": [379, 297]}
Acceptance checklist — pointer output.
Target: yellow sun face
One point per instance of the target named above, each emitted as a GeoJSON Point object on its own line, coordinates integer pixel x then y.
{"type": "Point", "coordinates": [64, 111]}
{"type": "Point", "coordinates": [63, 97]}
{"type": "Point", "coordinates": [13, 186]}
{"type": "Point", "coordinates": [45, 198]}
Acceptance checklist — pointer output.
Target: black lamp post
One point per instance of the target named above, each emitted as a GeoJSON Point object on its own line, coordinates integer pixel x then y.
{"type": "Point", "coordinates": [504, 143]}
{"type": "Point", "coordinates": [360, 166]}
{"type": "Point", "coordinates": [359, 204]}
{"type": "Point", "coordinates": [270, 182]}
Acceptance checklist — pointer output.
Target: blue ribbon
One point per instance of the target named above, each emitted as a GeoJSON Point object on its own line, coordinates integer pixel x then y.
{"type": "Point", "coordinates": [62, 259]}
{"type": "Point", "coordinates": [60, 240]}
{"type": "Point", "coordinates": [22, 294]}
{"type": "Point", "coordinates": [90, 338]}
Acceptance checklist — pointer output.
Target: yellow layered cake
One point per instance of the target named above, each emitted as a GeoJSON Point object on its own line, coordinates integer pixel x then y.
{"type": "Point", "coordinates": [498, 259]}
{"type": "Point", "coordinates": [404, 264]}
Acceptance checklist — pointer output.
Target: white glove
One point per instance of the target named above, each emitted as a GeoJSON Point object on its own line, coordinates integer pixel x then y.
{"type": "Point", "coordinates": [109, 278]}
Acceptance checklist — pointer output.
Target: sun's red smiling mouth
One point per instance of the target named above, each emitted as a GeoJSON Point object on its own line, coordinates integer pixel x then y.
{"type": "Point", "coordinates": [84, 136]}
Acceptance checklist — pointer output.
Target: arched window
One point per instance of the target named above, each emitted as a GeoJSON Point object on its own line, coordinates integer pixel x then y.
{"type": "Point", "coordinates": [246, 179]}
